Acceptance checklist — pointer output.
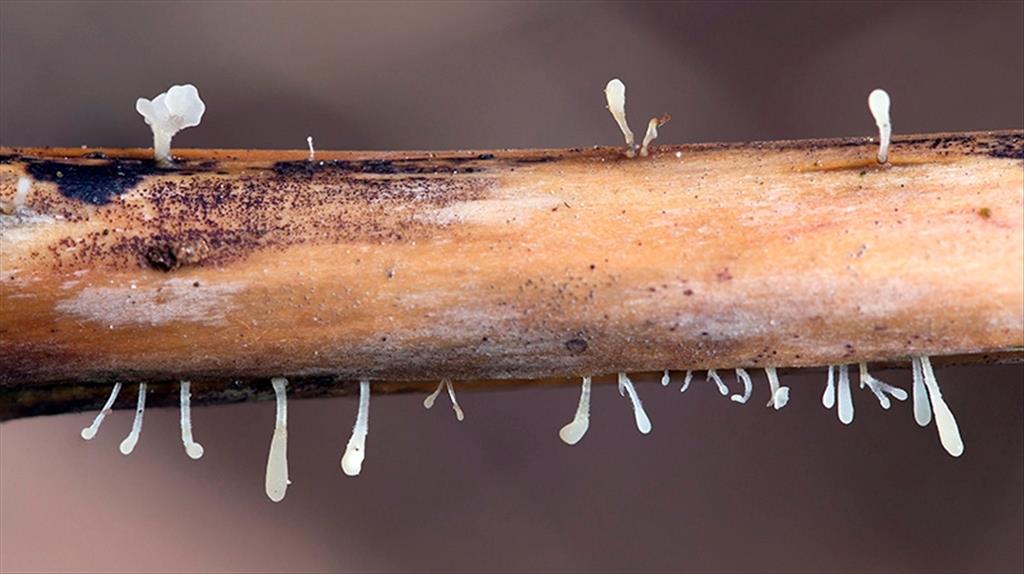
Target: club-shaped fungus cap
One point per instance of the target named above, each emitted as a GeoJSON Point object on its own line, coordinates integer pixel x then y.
{"type": "Point", "coordinates": [178, 108]}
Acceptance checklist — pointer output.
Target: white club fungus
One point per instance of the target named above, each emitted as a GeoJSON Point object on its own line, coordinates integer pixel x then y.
{"type": "Point", "coordinates": [90, 431]}
{"type": "Point", "coordinates": [277, 460]}
{"type": "Point", "coordinates": [429, 401]}
{"type": "Point", "coordinates": [780, 395]}
{"type": "Point", "coordinates": [949, 431]}
{"type": "Point", "coordinates": [193, 449]}
{"type": "Point", "coordinates": [748, 387]}
{"type": "Point", "coordinates": [922, 410]}
{"type": "Point", "coordinates": [355, 451]}
{"type": "Point", "coordinates": [615, 94]}
{"type": "Point", "coordinates": [665, 378]}
{"type": "Point", "coordinates": [170, 112]}
{"type": "Point", "coordinates": [21, 192]}
{"type": "Point", "coordinates": [652, 132]}
{"type": "Point", "coordinates": [643, 424]}
{"type": "Point", "coordinates": [878, 103]}
{"type": "Point", "coordinates": [312, 152]}
{"type": "Point", "coordinates": [879, 388]}
{"type": "Point", "coordinates": [686, 381]}
{"type": "Point", "coordinates": [828, 398]}
{"type": "Point", "coordinates": [573, 432]}
{"type": "Point", "coordinates": [845, 399]}
{"type": "Point", "coordinates": [713, 376]}
{"type": "Point", "coordinates": [128, 444]}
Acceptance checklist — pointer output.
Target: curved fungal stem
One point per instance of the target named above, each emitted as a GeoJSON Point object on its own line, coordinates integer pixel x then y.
{"type": "Point", "coordinates": [276, 484]}
{"type": "Point", "coordinates": [355, 450]}
{"type": "Point", "coordinates": [748, 387]}
{"type": "Point", "coordinates": [193, 449]}
{"type": "Point", "coordinates": [128, 444]}
{"type": "Point", "coordinates": [686, 381]}
{"type": "Point", "coordinates": [643, 423]}
{"type": "Point", "coordinates": [573, 432]}
{"type": "Point", "coordinates": [780, 394]}
{"type": "Point", "coordinates": [90, 431]}
{"type": "Point", "coordinates": [713, 376]}
{"type": "Point", "coordinates": [428, 402]}
{"type": "Point", "coordinates": [881, 389]}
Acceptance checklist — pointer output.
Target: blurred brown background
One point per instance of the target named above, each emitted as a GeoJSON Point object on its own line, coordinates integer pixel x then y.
{"type": "Point", "coordinates": [715, 487]}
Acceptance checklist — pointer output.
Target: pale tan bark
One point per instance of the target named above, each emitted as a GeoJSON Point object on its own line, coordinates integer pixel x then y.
{"type": "Point", "coordinates": [409, 266]}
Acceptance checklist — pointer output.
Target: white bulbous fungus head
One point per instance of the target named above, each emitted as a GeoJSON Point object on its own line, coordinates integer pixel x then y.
{"type": "Point", "coordinates": [90, 431]}
{"type": "Point", "coordinates": [949, 431]}
{"type": "Point", "coordinates": [922, 409]}
{"type": "Point", "coordinates": [573, 432]}
{"type": "Point", "coordinates": [168, 113]}
{"type": "Point", "coordinates": [277, 482]}
{"type": "Point", "coordinates": [828, 398]}
{"type": "Point", "coordinates": [643, 423]}
{"type": "Point", "coordinates": [309, 142]}
{"type": "Point", "coordinates": [355, 451]}
{"type": "Point", "coordinates": [429, 401]}
{"type": "Point", "coordinates": [780, 395]}
{"type": "Point", "coordinates": [193, 449]}
{"type": "Point", "coordinates": [845, 408]}
{"type": "Point", "coordinates": [713, 376]}
{"type": "Point", "coordinates": [128, 444]}
{"type": "Point", "coordinates": [878, 103]}
{"type": "Point", "coordinates": [615, 94]}
{"type": "Point", "coordinates": [686, 381]}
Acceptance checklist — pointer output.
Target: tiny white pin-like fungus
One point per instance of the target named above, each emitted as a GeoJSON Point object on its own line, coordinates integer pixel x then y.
{"type": "Point", "coordinates": [429, 401]}
{"type": "Point", "coordinates": [643, 423]}
{"type": "Point", "coordinates": [573, 432]}
{"type": "Point", "coordinates": [845, 398]}
{"type": "Point", "coordinates": [713, 376]}
{"type": "Point", "coordinates": [881, 389]}
{"type": "Point", "coordinates": [780, 394]}
{"type": "Point", "coordinates": [828, 398]}
{"type": "Point", "coordinates": [277, 482]}
{"type": "Point", "coordinates": [193, 449]}
{"type": "Point", "coordinates": [686, 381]}
{"type": "Point", "coordinates": [949, 431]}
{"type": "Point", "coordinates": [748, 387]}
{"type": "Point", "coordinates": [312, 152]}
{"type": "Point", "coordinates": [665, 378]}
{"type": "Point", "coordinates": [128, 444]}
{"type": "Point", "coordinates": [615, 94]}
{"type": "Point", "coordinates": [878, 103]}
{"type": "Point", "coordinates": [90, 431]}
{"type": "Point", "coordinates": [178, 108]}
{"type": "Point", "coordinates": [21, 192]}
{"type": "Point", "coordinates": [922, 410]}
{"type": "Point", "coordinates": [355, 451]}
{"type": "Point", "coordinates": [652, 132]}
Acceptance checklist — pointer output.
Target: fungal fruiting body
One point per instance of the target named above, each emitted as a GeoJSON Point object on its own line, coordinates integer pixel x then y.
{"type": "Point", "coordinates": [845, 399]}
{"type": "Point", "coordinates": [713, 376]}
{"type": "Point", "coordinates": [128, 444]}
{"type": "Point", "coordinates": [90, 431]}
{"type": "Point", "coordinates": [949, 431]}
{"type": "Point", "coordinates": [828, 398]}
{"type": "Point", "coordinates": [686, 381]}
{"type": "Point", "coordinates": [193, 449]}
{"type": "Point", "coordinates": [643, 423]}
{"type": "Point", "coordinates": [665, 378]}
{"type": "Point", "coordinates": [615, 94]}
{"type": "Point", "coordinates": [312, 152]}
{"type": "Point", "coordinates": [881, 389]}
{"type": "Point", "coordinates": [780, 395]}
{"type": "Point", "coordinates": [168, 113]}
{"type": "Point", "coordinates": [277, 461]}
{"type": "Point", "coordinates": [573, 432]}
{"type": "Point", "coordinates": [652, 132]}
{"type": "Point", "coordinates": [748, 387]}
{"type": "Point", "coordinates": [429, 401]}
{"type": "Point", "coordinates": [878, 103]}
{"type": "Point", "coordinates": [355, 451]}
{"type": "Point", "coordinates": [922, 410]}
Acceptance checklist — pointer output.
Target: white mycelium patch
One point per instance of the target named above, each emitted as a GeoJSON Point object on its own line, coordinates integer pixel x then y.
{"type": "Point", "coordinates": [355, 451]}
{"type": "Point", "coordinates": [573, 432]}
{"type": "Point", "coordinates": [713, 376]}
{"type": "Point", "coordinates": [780, 395]}
{"type": "Point", "coordinates": [429, 401]}
{"type": "Point", "coordinates": [128, 444]}
{"type": "Point", "coordinates": [652, 132]}
{"type": "Point", "coordinates": [748, 387]}
{"type": "Point", "coordinates": [879, 388]}
{"type": "Point", "coordinates": [845, 399]}
{"type": "Point", "coordinates": [878, 103]}
{"type": "Point", "coordinates": [949, 431]}
{"type": "Point", "coordinates": [615, 94]}
{"type": "Point", "coordinates": [193, 449]}
{"type": "Point", "coordinates": [309, 142]}
{"type": "Point", "coordinates": [277, 482]}
{"type": "Point", "coordinates": [686, 381]}
{"type": "Point", "coordinates": [170, 112]}
{"type": "Point", "coordinates": [90, 431]}
{"type": "Point", "coordinates": [643, 424]}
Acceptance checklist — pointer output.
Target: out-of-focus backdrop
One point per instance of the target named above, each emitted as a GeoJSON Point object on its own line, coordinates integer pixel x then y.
{"type": "Point", "coordinates": [715, 487]}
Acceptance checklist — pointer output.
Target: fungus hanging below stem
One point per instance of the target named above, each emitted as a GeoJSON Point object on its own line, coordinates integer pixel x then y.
{"type": "Point", "coordinates": [90, 431]}
{"type": "Point", "coordinates": [686, 381]}
{"type": "Point", "coordinates": [748, 387]}
{"type": "Point", "coordinates": [277, 482]}
{"type": "Point", "coordinates": [880, 388]}
{"type": "Point", "coordinates": [355, 451]}
{"type": "Point", "coordinates": [128, 444]}
{"type": "Point", "coordinates": [643, 423]}
{"type": "Point", "coordinates": [845, 398]}
{"type": "Point", "coordinates": [429, 401]}
{"type": "Point", "coordinates": [949, 431]}
{"type": "Point", "coordinates": [573, 432]}
{"type": "Point", "coordinates": [828, 398]}
{"type": "Point", "coordinates": [713, 376]}
{"type": "Point", "coordinates": [192, 448]}
{"type": "Point", "coordinates": [780, 395]}
{"type": "Point", "coordinates": [922, 410]}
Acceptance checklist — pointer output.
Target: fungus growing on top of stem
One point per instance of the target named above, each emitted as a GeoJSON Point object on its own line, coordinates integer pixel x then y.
{"type": "Point", "coordinates": [878, 103]}
{"type": "Point", "coordinates": [615, 93]}
{"type": "Point", "coordinates": [168, 113]}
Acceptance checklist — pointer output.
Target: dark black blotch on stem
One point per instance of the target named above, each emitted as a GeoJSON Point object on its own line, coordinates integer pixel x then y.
{"type": "Point", "coordinates": [94, 183]}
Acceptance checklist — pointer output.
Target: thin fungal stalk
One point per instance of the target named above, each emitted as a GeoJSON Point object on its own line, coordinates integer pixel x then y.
{"type": "Point", "coordinates": [409, 267]}
{"type": "Point", "coordinates": [128, 444]}
{"type": "Point", "coordinates": [277, 482]}
{"type": "Point", "coordinates": [89, 432]}
{"type": "Point", "coordinates": [193, 449]}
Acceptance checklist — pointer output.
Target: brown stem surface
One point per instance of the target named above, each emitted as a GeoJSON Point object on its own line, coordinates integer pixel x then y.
{"type": "Point", "coordinates": [413, 266]}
